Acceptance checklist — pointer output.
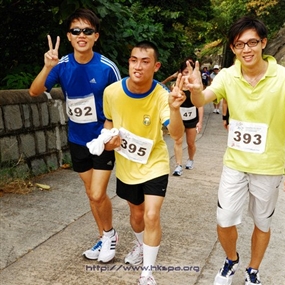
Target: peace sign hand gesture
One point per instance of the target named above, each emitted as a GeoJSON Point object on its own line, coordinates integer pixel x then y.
{"type": "Point", "coordinates": [51, 56]}
{"type": "Point", "coordinates": [177, 96]}
{"type": "Point", "coordinates": [193, 80]}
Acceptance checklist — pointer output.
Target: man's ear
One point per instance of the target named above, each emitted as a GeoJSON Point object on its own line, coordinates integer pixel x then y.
{"type": "Point", "coordinates": [264, 43]}
{"type": "Point", "coordinates": [157, 66]}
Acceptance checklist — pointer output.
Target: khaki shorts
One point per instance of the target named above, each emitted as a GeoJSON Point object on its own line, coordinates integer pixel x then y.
{"type": "Point", "coordinates": [236, 186]}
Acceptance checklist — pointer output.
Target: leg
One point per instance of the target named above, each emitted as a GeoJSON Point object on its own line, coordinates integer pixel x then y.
{"type": "Point", "coordinates": [190, 138]}
{"type": "Point", "coordinates": [135, 256]}
{"type": "Point", "coordinates": [228, 239]}
{"type": "Point", "coordinates": [178, 156]}
{"type": "Point", "coordinates": [259, 243]}
{"type": "Point", "coordinates": [152, 231]}
{"type": "Point", "coordinates": [136, 217]}
{"type": "Point", "coordinates": [99, 199]}
{"type": "Point", "coordinates": [178, 150]}
{"type": "Point", "coordinates": [86, 178]}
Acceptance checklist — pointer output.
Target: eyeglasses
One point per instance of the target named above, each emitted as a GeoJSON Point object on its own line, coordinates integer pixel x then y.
{"type": "Point", "coordinates": [86, 31]}
{"type": "Point", "coordinates": [249, 43]}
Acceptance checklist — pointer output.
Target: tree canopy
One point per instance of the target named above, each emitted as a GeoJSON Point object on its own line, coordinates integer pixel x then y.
{"type": "Point", "coordinates": [179, 28]}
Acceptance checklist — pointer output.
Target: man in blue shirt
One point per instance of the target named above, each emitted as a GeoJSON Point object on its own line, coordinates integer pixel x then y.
{"type": "Point", "coordinates": [83, 76]}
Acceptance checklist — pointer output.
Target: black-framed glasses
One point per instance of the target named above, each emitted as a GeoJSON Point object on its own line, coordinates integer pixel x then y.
{"type": "Point", "coordinates": [85, 31]}
{"type": "Point", "coordinates": [250, 43]}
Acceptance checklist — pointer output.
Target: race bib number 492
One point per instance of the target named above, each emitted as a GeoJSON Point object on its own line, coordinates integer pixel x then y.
{"type": "Point", "coordinates": [81, 110]}
{"type": "Point", "coordinates": [250, 137]}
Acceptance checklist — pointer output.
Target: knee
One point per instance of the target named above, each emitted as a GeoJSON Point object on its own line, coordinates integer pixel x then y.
{"type": "Point", "coordinates": [137, 216]}
{"type": "Point", "coordinates": [96, 196]}
{"type": "Point", "coordinates": [151, 218]}
{"type": "Point", "coordinates": [179, 141]}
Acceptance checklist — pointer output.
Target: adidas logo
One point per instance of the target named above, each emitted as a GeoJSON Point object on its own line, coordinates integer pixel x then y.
{"type": "Point", "coordinates": [92, 80]}
{"type": "Point", "coordinates": [110, 162]}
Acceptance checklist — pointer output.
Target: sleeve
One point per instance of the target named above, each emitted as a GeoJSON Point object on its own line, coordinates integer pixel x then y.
{"type": "Point", "coordinates": [217, 86]}
{"type": "Point", "coordinates": [106, 106]}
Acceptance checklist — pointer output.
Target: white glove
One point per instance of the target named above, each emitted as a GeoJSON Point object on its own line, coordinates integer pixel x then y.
{"type": "Point", "coordinates": [96, 146]}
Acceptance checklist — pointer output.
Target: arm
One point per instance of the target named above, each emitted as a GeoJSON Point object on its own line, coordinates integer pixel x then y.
{"type": "Point", "coordinates": [193, 82]}
{"type": "Point", "coordinates": [176, 98]}
{"type": "Point", "coordinates": [224, 113]}
{"type": "Point", "coordinates": [50, 59]}
{"type": "Point", "coordinates": [115, 140]}
{"type": "Point", "coordinates": [169, 78]}
{"type": "Point", "coordinates": [200, 123]}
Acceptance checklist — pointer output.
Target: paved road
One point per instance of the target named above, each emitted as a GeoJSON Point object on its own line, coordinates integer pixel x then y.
{"type": "Point", "coordinates": [43, 233]}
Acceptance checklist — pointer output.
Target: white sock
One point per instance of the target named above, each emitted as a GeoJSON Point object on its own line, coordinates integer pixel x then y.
{"type": "Point", "coordinates": [139, 237]}
{"type": "Point", "coordinates": [149, 258]}
{"type": "Point", "coordinates": [110, 233]}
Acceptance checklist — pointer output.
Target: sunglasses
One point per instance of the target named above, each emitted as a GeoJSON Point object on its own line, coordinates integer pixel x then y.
{"type": "Point", "coordinates": [86, 31]}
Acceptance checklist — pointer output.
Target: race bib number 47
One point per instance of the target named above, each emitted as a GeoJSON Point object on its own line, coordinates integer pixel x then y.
{"type": "Point", "coordinates": [250, 137]}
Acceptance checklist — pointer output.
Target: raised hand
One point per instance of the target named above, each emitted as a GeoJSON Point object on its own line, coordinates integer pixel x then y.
{"type": "Point", "coordinates": [193, 80]}
{"type": "Point", "coordinates": [177, 96]}
{"type": "Point", "coordinates": [51, 56]}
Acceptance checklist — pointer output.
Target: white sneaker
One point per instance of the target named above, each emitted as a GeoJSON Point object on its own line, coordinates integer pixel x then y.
{"type": "Point", "coordinates": [108, 248]}
{"type": "Point", "coordinates": [215, 111]}
{"type": "Point", "coordinates": [93, 252]}
{"type": "Point", "coordinates": [178, 171]}
{"type": "Point", "coordinates": [252, 276]}
{"type": "Point", "coordinates": [135, 257]}
{"type": "Point", "coordinates": [218, 111]}
{"type": "Point", "coordinates": [189, 164]}
{"type": "Point", "coordinates": [147, 280]}
{"type": "Point", "coordinates": [226, 273]}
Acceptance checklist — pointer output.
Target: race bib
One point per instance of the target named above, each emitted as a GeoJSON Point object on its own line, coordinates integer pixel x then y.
{"type": "Point", "coordinates": [81, 110]}
{"type": "Point", "coordinates": [133, 147]}
{"type": "Point", "coordinates": [188, 113]}
{"type": "Point", "coordinates": [250, 137]}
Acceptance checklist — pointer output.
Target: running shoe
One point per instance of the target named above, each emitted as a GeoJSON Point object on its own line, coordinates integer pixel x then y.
{"type": "Point", "coordinates": [94, 251]}
{"type": "Point", "coordinates": [147, 280]}
{"type": "Point", "coordinates": [218, 111]}
{"type": "Point", "coordinates": [108, 248]}
{"type": "Point", "coordinates": [135, 257]}
{"type": "Point", "coordinates": [226, 273]}
{"type": "Point", "coordinates": [189, 164]}
{"type": "Point", "coordinates": [178, 171]}
{"type": "Point", "coordinates": [252, 276]}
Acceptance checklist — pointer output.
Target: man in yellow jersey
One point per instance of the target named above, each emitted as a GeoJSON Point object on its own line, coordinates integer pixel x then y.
{"type": "Point", "coordinates": [254, 88]}
{"type": "Point", "coordinates": [138, 106]}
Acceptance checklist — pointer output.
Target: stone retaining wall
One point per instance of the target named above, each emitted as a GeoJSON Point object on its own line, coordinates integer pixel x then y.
{"type": "Point", "coordinates": [33, 132]}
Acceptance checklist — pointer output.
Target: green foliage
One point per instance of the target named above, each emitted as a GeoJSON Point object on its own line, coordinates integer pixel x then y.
{"type": "Point", "coordinates": [178, 28]}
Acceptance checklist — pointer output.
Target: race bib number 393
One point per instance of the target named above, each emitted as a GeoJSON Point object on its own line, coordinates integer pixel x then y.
{"type": "Point", "coordinates": [249, 137]}
{"type": "Point", "coordinates": [133, 147]}
{"type": "Point", "coordinates": [81, 110]}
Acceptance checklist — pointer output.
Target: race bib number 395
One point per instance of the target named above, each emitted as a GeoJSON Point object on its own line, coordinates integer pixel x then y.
{"type": "Point", "coordinates": [81, 110]}
{"type": "Point", "coordinates": [250, 137]}
{"type": "Point", "coordinates": [133, 147]}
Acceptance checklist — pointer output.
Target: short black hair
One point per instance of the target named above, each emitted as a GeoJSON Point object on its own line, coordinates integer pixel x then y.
{"type": "Point", "coordinates": [84, 14]}
{"type": "Point", "coordinates": [183, 64]}
{"type": "Point", "coordinates": [148, 45]}
{"type": "Point", "coordinates": [246, 23]}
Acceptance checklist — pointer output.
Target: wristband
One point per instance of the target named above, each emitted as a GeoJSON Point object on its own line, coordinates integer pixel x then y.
{"type": "Point", "coordinates": [225, 118]}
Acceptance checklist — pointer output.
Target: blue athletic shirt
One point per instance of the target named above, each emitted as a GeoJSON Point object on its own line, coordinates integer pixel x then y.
{"type": "Point", "coordinates": [83, 86]}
